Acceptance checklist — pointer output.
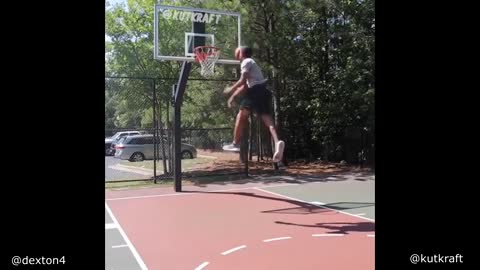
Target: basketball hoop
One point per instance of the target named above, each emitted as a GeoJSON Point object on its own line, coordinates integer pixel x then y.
{"type": "Point", "coordinates": [207, 56]}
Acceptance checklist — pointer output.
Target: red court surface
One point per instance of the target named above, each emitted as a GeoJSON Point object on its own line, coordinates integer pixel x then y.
{"type": "Point", "coordinates": [241, 229]}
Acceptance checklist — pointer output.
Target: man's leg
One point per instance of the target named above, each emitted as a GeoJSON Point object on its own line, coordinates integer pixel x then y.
{"type": "Point", "coordinates": [268, 121]}
{"type": "Point", "coordinates": [242, 118]}
{"type": "Point", "coordinates": [279, 144]}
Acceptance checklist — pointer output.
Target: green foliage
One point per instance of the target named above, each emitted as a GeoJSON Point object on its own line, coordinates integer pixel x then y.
{"type": "Point", "coordinates": [318, 54]}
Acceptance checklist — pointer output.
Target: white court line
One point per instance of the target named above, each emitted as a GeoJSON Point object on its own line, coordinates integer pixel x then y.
{"type": "Point", "coordinates": [233, 250]}
{"type": "Point", "coordinates": [120, 246]}
{"type": "Point", "coordinates": [137, 171]}
{"type": "Point", "coordinates": [203, 156]}
{"type": "Point", "coordinates": [360, 214]}
{"type": "Point", "coordinates": [322, 206]}
{"type": "Point", "coordinates": [124, 235]}
{"type": "Point", "coordinates": [134, 168]}
{"type": "Point", "coordinates": [370, 235]}
{"type": "Point", "coordinates": [277, 239]}
{"type": "Point", "coordinates": [147, 196]}
{"type": "Point", "coordinates": [110, 226]}
{"type": "Point", "coordinates": [189, 193]}
{"type": "Point", "coordinates": [201, 266]}
{"type": "Point", "coordinates": [317, 203]}
{"type": "Point", "coordinates": [327, 234]}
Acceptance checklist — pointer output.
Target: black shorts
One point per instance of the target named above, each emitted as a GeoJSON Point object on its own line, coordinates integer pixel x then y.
{"type": "Point", "coordinates": [257, 99]}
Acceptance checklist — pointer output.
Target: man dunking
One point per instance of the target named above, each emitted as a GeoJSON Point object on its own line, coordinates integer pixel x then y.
{"type": "Point", "coordinates": [256, 98]}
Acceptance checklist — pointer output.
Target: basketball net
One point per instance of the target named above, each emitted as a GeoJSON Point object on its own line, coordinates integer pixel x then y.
{"type": "Point", "coordinates": [207, 56]}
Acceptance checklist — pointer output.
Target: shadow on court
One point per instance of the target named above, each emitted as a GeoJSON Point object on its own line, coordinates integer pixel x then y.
{"type": "Point", "coordinates": [306, 206]}
{"type": "Point", "coordinates": [283, 178]}
{"type": "Point", "coordinates": [302, 208]}
{"type": "Point", "coordinates": [335, 206]}
{"type": "Point", "coordinates": [337, 227]}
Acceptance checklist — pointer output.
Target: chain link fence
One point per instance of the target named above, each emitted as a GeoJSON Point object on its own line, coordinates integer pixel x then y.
{"type": "Point", "coordinates": [143, 107]}
{"type": "Point", "coordinates": [355, 145]}
{"type": "Point", "coordinates": [139, 137]}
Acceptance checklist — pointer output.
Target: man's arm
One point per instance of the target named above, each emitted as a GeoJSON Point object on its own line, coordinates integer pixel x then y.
{"type": "Point", "coordinates": [238, 88]}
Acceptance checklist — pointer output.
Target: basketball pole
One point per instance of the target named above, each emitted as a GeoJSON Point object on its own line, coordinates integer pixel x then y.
{"type": "Point", "coordinates": [155, 131]}
{"type": "Point", "coordinates": [178, 99]}
{"type": "Point", "coordinates": [177, 128]}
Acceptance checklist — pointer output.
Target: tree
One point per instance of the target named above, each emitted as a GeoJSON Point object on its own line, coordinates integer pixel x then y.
{"type": "Point", "coordinates": [318, 54]}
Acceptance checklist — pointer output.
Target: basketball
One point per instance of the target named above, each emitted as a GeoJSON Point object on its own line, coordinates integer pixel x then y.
{"type": "Point", "coordinates": [237, 53]}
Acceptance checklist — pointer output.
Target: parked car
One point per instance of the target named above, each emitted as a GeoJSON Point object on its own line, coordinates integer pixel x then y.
{"type": "Point", "coordinates": [141, 147]}
{"type": "Point", "coordinates": [109, 150]}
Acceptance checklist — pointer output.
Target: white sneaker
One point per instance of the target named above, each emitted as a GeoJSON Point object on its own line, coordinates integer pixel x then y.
{"type": "Point", "coordinates": [232, 147]}
{"type": "Point", "coordinates": [279, 147]}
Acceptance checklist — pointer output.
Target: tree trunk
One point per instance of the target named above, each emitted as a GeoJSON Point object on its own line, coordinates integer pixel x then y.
{"type": "Point", "coordinates": [251, 132]}
{"type": "Point", "coordinates": [259, 141]}
{"type": "Point", "coordinates": [162, 142]}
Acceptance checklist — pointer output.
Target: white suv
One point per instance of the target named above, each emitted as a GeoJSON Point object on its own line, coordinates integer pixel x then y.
{"type": "Point", "coordinates": [110, 142]}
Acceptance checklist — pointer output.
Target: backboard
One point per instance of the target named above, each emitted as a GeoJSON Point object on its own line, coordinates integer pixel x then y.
{"type": "Point", "coordinates": [177, 30]}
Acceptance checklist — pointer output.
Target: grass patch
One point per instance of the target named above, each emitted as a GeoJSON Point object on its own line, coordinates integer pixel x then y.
{"type": "Point", "coordinates": [218, 179]}
{"type": "Point", "coordinates": [142, 184]}
{"type": "Point", "coordinates": [148, 164]}
{"type": "Point", "coordinates": [186, 181]}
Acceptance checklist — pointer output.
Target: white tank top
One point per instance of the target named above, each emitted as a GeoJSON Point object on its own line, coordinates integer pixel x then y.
{"type": "Point", "coordinates": [255, 75]}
